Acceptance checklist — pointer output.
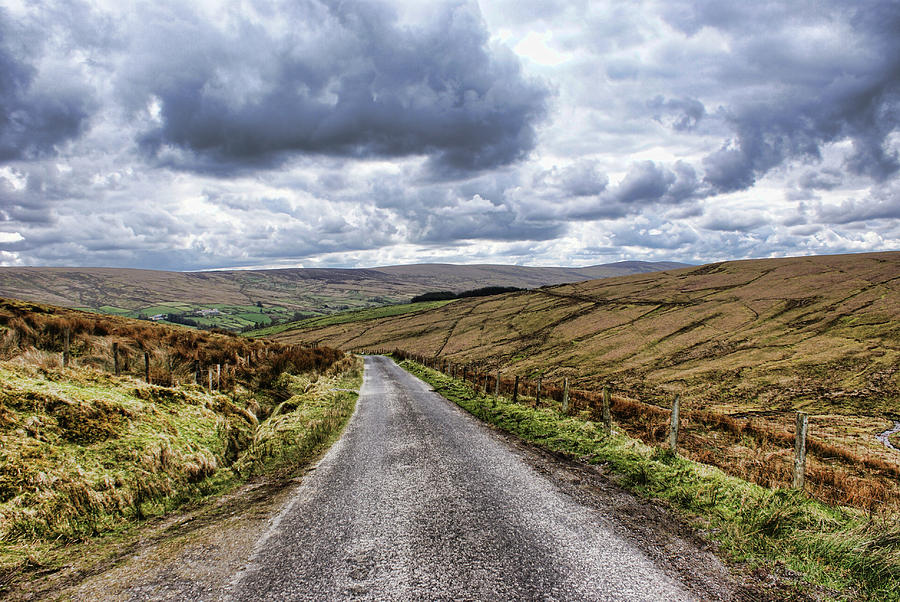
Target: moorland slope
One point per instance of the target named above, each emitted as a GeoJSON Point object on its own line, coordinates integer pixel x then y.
{"type": "Point", "coordinates": [820, 333]}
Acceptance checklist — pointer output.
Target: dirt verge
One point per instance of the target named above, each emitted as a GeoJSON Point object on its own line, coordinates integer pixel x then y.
{"type": "Point", "coordinates": [191, 555]}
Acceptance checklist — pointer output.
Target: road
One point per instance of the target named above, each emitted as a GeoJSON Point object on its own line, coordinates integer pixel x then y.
{"type": "Point", "coordinates": [418, 500]}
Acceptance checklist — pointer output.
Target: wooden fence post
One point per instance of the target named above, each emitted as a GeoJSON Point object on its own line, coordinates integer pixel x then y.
{"type": "Point", "coordinates": [604, 413]}
{"type": "Point", "coordinates": [516, 390]}
{"type": "Point", "coordinates": [497, 385]}
{"type": "Point", "coordinates": [116, 359]}
{"type": "Point", "coordinates": [565, 400]}
{"type": "Point", "coordinates": [537, 397]}
{"type": "Point", "coordinates": [147, 366]}
{"type": "Point", "coordinates": [218, 376]}
{"type": "Point", "coordinates": [800, 450]}
{"type": "Point", "coordinates": [66, 350]}
{"type": "Point", "coordinates": [674, 424]}
{"type": "Point", "coordinates": [197, 371]}
{"type": "Point", "coordinates": [210, 378]}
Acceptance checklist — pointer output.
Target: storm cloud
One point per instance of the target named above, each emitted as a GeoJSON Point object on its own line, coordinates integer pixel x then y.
{"type": "Point", "coordinates": [345, 79]}
{"type": "Point", "coordinates": [814, 74]}
{"type": "Point", "coordinates": [38, 108]}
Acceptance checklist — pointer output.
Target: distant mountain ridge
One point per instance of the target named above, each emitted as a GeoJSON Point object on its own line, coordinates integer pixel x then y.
{"type": "Point", "coordinates": [298, 289]}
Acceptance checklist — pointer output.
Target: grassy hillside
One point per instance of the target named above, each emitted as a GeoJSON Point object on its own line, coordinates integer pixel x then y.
{"type": "Point", "coordinates": [250, 298]}
{"type": "Point", "coordinates": [748, 340]}
{"type": "Point", "coordinates": [85, 453]}
{"type": "Point", "coordinates": [820, 332]}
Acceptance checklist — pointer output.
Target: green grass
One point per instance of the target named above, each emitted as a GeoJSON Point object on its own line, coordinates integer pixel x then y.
{"type": "Point", "coordinates": [853, 555]}
{"type": "Point", "coordinates": [357, 315]}
{"type": "Point", "coordinates": [84, 453]}
{"type": "Point", "coordinates": [232, 317]}
{"type": "Point", "coordinates": [309, 420]}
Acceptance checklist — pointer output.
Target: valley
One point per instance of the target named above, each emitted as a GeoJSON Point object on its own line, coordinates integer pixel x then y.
{"type": "Point", "coordinates": [245, 299]}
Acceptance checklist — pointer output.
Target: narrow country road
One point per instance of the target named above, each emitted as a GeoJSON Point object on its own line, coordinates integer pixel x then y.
{"type": "Point", "coordinates": [418, 500]}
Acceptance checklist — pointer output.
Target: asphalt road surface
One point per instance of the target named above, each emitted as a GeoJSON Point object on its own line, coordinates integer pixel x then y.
{"type": "Point", "coordinates": [418, 500]}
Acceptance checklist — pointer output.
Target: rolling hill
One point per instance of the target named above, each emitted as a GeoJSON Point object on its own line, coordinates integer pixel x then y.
{"type": "Point", "coordinates": [262, 297]}
{"type": "Point", "coordinates": [820, 333]}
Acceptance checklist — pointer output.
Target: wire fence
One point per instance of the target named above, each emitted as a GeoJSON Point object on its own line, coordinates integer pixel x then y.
{"type": "Point", "coordinates": [742, 446]}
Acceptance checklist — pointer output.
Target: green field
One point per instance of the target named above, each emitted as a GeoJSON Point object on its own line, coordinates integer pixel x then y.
{"type": "Point", "coordinates": [230, 317]}
{"type": "Point", "coordinates": [347, 317]}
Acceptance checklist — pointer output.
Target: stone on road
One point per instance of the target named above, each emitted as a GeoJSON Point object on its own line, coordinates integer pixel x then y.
{"type": "Point", "coordinates": [418, 500]}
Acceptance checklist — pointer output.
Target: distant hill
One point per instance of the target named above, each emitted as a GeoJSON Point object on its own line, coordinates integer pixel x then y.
{"type": "Point", "coordinates": [283, 293]}
{"type": "Point", "coordinates": [809, 332]}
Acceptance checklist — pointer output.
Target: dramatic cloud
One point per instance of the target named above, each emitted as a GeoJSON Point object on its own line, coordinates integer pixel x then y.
{"type": "Point", "coordinates": [814, 74]}
{"type": "Point", "coordinates": [273, 132]}
{"type": "Point", "coordinates": [346, 79]}
{"type": "Point", "coordinates": [38, 108]}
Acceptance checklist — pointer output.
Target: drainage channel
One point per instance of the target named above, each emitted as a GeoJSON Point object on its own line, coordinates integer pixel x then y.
{"type": "Point", "coordinates": [885, 437]}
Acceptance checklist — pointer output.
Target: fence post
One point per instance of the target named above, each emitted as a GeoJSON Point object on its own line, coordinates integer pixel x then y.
{"type": "Point", "coordinates": [497, 385]}
{"type": "Point", "coordinates": [800, 450]}
{"type": "Point", "coordinates": [605, 414]}
{"type": "Point", "coordinates": [147, 366]}
{"type": "Point", "coordinates": [210, 378]}
{"type": "Point", "coordinates": [66, 350]}
{"type": "Point", "coordinates": [565, 400]}
{"type": "Point", "coordinates": [537, 397]}
{"type": "Point", "coordinates": [516, 390]}
{"type": "Point", "coordinates": [197, 370]}
{"type": "Point", "coordinates": [674, 424]}
{"type": "Point", "coordinates": [218, 376]}
{"type": "Point", "coordinates": [116, 359]}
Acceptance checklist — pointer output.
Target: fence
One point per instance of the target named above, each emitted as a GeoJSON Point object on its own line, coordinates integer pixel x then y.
{"type": "Point", "coordinates": [158, 355]}
{"type": "Point", "coordinates": [878, 488]}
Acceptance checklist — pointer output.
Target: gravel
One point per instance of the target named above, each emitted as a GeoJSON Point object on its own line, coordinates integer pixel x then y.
{"type": "Point", "coordinates": [418, 500]}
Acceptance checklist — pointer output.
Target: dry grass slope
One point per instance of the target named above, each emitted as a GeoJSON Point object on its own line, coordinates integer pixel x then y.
{"type": "Point", "coordinates": [819, 332]}
{"type": "Point", "coordinates": [745, 343]}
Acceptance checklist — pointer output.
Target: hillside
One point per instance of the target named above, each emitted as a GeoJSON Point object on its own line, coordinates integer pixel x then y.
{"type": "Point", "coordinates": [106, 421]}
{"type": "Point", "coordinates": [821, 333]}
{"type": "Point", "coordinates": [244, 298]}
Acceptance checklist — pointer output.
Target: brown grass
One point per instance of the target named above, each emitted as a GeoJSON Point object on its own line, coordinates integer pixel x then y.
{"type": "Point", "coordinates": [742, 447]}
{"type": "Point", "coordinates": [36, 334]}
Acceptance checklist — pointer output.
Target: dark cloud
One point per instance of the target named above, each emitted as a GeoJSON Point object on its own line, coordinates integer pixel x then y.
{"type": "Point", "coordinates": [801, 93]}
{"type": "Point", "coordinates": [35, 114]}
{"type": "Point", "coordinates": [681, 114]}
{"type": "Point", "coordinates": [354, 81]}
{"type": "Point", "coordinates": [649, 182]}
{"type": "Point", "coordinates": [883, 204]}
{"type": "Point", "coordinates": [357, 130]}
{"type": "Point", "coordinates": [825, 179]}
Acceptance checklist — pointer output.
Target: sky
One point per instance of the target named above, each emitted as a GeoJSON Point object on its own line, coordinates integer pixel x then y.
{"type": "Point", "coordinates": [304, 133]}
